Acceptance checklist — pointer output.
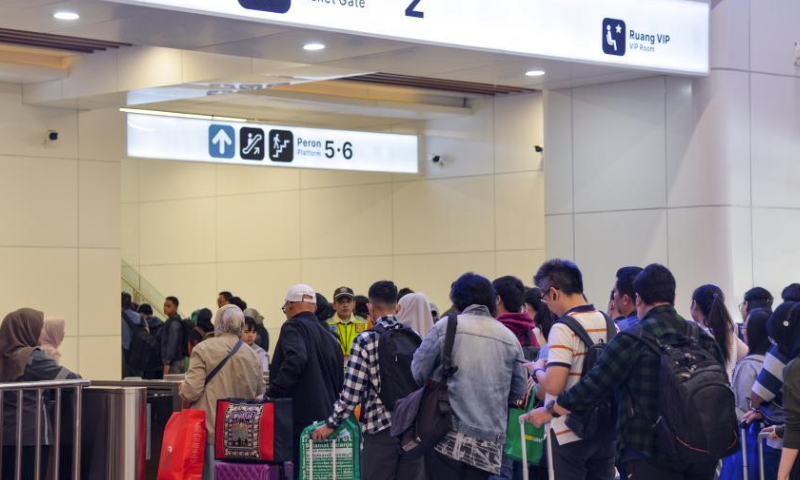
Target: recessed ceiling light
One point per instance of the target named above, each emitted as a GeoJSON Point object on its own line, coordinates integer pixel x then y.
{"type": "Point", "coordinates": [534, 73]}
{"type": "Point", "coordinates": [66, 16]}
{"type": "Point", "coordinates": [313, 47]}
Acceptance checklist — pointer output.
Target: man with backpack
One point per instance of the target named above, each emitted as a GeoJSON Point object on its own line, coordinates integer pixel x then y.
{"type": "Point", "coordinates": [581, 329]}
{"type": "Point", "coordinates": [174, 340]}
{"type": "Point", "coordinates": [510, 312]}
{"type": "Point", "coordinates": [677, 418]}
{"type": "Point", "coordinates": [378, 374]}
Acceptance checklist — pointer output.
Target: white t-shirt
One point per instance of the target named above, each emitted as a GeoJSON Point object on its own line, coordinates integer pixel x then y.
{"type": "Point", "coordinates": [567, 350]}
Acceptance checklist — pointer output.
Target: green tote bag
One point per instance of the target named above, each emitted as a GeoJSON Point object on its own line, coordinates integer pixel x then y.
{"type": "Point", "coordinates": [534, 437]}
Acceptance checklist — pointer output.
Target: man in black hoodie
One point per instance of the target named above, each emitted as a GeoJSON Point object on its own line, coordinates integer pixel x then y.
{"type": "Point", "coordinates": [307, 365]}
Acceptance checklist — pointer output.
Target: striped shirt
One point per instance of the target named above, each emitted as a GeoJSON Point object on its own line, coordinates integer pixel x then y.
{"type": "Point", "coordinates": [567, 350]}
{"type": "Point", "coordinates": [769, 384]}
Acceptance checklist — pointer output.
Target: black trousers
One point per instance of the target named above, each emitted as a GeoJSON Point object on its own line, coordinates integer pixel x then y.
{"type": "Point", "coordinates": [439, 467]}
{"type": "Point", "coordinates": [584, 460]}
{"type": "Point", "coordinates": [383, 459]}
{"type": "Point", "coordinates": [28, 461]}
{"type": "Point", "coordinates": [648, 470]}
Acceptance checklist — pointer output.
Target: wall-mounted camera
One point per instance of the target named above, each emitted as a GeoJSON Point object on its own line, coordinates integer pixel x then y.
{"type": "Point", "coordinates": [538, 148]}
{"type": "Point", "coordinates": [436, 158]}
{"type": "Point", "coordinates": [52, 136]}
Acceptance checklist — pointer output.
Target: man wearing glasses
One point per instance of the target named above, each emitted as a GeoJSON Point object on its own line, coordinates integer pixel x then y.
{"type": "Point", "coordinates": [308, 365]}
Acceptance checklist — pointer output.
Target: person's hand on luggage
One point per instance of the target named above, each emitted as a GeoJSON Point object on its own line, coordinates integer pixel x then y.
{"type": "Point", "coordinates": [773, 434]}
{"type": "Point", "coordinates": [322, 433]}
{"type": "Point", "coordinates": [537, 416]}
{"type": "Point", "coordinates": [751, 416]}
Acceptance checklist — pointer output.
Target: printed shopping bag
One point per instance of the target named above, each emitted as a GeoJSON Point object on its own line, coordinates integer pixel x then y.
{"type": "Point", "coordinates": [534, 436]}
{"type": "Point", "coordinates": [183, 447]}
{"type": "Point", "coordinates": [337, 458]}
{"type": "Point", "coordinates": [255, 431]}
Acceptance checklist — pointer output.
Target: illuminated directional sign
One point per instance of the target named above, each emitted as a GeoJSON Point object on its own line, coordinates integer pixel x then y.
{"type": "Point", "coordinates": [661, 35]}
{"type": "Point", "coordinates": [151, 136]}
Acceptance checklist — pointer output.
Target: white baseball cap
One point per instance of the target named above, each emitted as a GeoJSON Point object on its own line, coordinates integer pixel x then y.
{"type": "Point", "coordinates": [301, 293]}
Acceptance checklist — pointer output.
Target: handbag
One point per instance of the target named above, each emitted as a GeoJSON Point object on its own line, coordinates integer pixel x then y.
{"type": "Point", "coordinates": [183, 447]}
{"type": "Point", "coordinates": [336, 458]}
{"type": "Point", "coordinates": [145, 350]}
{"type": "Point", "coordinates": [254, 431]}
{"type": "Point", "coordinates": [533, 437]}
{"type": "Point", "coordinates": [423, 418]}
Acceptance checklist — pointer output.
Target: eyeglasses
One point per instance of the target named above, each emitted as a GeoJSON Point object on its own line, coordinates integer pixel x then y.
{"type": "Point", "coordinates": [285, 306]}
{"type": "Point", "coordinates": [543, 296]}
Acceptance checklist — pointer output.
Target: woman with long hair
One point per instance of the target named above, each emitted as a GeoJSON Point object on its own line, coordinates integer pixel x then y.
{"type": "Point", "coordinates": [709, 311]}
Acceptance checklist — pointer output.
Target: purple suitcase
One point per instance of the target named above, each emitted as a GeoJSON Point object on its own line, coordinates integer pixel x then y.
{"type": "Point", "coordinates": [252, 471]}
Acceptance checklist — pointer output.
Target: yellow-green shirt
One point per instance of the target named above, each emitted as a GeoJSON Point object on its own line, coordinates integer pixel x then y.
{"type": "Point", "coordinates": [347, 331]}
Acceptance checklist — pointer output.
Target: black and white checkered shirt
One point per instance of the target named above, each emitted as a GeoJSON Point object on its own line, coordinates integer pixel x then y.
{"type": "Point", "coordinates": [362, 382]}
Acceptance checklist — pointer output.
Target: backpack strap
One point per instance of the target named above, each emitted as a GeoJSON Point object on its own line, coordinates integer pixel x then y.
{"type": "Point", "coordinates": [223, 362]}
{"type": "Point", "coordinates": [611, 327]}
{"type": "Point", "coordinates": [577, 329]}
{"type": "Point", "coordinates": [449, 341]}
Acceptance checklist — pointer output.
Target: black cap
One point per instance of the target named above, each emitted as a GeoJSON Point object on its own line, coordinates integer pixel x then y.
{"type": "Point", "coordinates": [343, 292]}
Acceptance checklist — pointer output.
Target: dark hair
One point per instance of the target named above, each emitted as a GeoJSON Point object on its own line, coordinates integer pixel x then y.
{"type": "Point", "coordinates": [383, 292]}
{"type": "Point", "coordinates": [134, 306]}
{"type": "Point", "coordinates": [511, 291]}
{"type": "Point", "coordinates": [564, 275]}
{"type": "Point", "coordinates": [758, 297]}
{"type": "Point", "coordinates": [126, 300]}
{"type": "Point", "coordinates": [791, 293]}
{"type": "Point", "coordinates": [145, 309]}
{"type": "Point", "coordinates": [782, 327]}
{"type": "Point", "coordinates": [543, 319]}
{"type": "Point", "coordinates": [655, 284]}
{"type": "Point", "coordinates": [757, 338]}
{"type": "Point", "coordinates": [238, 302]}
{"type": "Point", "coordinates": [174, 301]}
{"type": "Point", "coordinates": [625, 278]}
{"type": "Point", "coordinates": [473, 289]}
{"type": "Point", "coordinates": [250, 324]}
{"type": "Point", "coordinates": [324, 309]}
{"type": "Point", "coordinates": [403, 292]}
{"type": "Point", "coordinates": [711, 302]}
{"type": "Point", "coordinates": [361, 306]}
{"type": "Point", "coordinates": [226, 295]}
{"type": "Point", "coordinates": [203, 318]}
{"type": "Point", "coordinates": [612, 295]}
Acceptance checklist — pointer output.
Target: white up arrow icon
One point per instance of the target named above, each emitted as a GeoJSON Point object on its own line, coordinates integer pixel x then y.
{"type": "Point", "coordinates": [222, 140]}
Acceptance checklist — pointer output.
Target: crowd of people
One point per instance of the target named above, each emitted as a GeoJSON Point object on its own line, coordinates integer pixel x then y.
{"type": "Point", "coordinates": [604, 417]}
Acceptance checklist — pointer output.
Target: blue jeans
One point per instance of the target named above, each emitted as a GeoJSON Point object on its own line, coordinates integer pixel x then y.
{"type": "Point", "coordinates": [509, 470]}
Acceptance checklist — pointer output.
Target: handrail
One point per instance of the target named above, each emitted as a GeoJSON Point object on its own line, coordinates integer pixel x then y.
{"type": "Point", "coordinates": [39, 387]}
{"type": "Point", "coordinates": [45, 384]}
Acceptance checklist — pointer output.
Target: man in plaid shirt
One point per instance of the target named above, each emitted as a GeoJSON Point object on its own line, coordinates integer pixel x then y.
{"type": "Point", "coordinates": [631, 370]}
{"type": "Point", "coordinates": [382, 458]}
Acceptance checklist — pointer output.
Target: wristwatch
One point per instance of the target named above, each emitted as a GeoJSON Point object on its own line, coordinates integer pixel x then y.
{"type": "Point", "coordinates": [551, 410]}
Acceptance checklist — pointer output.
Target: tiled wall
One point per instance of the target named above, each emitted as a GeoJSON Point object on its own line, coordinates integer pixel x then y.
{"type": "Point", "coordinates": [59, 225]}
{"type": "Point", "coordinates": [194, 229]}
{"type": "Point", "coordinates": [701, 174]}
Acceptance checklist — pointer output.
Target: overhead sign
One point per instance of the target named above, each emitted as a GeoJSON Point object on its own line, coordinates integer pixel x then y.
{"type": "Point", "coordinates": [661, 35]}
{"type": "Point", "coordinates": [193, 140]}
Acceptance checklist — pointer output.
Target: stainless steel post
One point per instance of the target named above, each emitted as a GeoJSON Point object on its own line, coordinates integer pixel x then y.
{"type": "Point", "coordinates": [37, 468]}
{"type": "Point", "coordinates": [57, 442]}
{"type": "Point", "coordinates": [76, 439]}
{"type": "Point", "coordinates": [18, 469]}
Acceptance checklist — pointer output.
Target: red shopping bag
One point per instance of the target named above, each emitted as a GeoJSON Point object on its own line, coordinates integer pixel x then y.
{"type": "Point", "coordinates": [183, 447]}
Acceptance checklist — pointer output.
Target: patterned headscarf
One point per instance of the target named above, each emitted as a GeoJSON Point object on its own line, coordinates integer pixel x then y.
{"type": "Point", "coordinates": [229, 319]}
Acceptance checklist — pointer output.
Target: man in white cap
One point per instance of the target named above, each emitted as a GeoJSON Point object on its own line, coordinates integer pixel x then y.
{"type": "Point", "coordinates": [307, 365]}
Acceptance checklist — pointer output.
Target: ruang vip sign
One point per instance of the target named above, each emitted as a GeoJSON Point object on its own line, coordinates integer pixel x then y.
{"type": "Point", "coordinates": [660, 35]}
{"type": "Point", "coordinates": [151, 136]}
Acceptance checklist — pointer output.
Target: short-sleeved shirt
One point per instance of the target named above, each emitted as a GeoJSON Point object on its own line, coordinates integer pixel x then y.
{"type": "Point", "coordinates": [769, 384]}
{"type": "Point", "coordinates": [567, 350]}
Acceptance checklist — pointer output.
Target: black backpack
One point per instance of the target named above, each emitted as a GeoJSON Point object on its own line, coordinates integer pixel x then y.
{"type": "Point", "coordinates": [396, 347]}
{"type": "Point", "coordinates": [697, 415]}
{"type": "Point", "coordinates": [599, 421]}
{"type": "Point", "coordinates": [145, 349]}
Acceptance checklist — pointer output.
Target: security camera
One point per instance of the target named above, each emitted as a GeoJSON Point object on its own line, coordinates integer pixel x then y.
{"type": "Point", "coordinates": [52, 135]}
{"type": "Point", "coordinates": [436, 158]}
{"type": "Point", "coordinates": [538, 148]}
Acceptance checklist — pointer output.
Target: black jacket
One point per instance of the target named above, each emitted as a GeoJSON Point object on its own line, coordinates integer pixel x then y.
{"type": "Point", "coordinates": [308, 368]}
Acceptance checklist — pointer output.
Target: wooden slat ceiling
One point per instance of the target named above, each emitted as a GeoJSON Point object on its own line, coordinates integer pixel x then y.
{"type": "Point", "coordinates": [56, 42]}
{"type": "Point", "coordinates": [437, 84]}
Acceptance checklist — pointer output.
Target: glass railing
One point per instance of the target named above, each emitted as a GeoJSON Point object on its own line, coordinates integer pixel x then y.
{"type": "Point", "coordinates": [142, 291]}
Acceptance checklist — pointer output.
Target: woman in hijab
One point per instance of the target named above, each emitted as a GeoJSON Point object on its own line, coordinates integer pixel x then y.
{"type": "Point", "coordinates": [415, 312]}
{"type": "Point", "coordinates": [22, 361]}
{"type": "Point", "coordinates": [52, 336]}
{"type": "Point", "coordinates": [240, 376]}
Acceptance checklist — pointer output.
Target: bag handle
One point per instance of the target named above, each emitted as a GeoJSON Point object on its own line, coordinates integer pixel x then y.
{"type": "Point", "coordinates": [223, 362]}
{"type": "Point", "coordinates": [449, 341]}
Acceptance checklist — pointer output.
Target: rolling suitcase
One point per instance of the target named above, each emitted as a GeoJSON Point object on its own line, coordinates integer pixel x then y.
{"type": "Point", "coordinates": [253, 471]}
{"type": "Point", "coordinates": [549, 450]}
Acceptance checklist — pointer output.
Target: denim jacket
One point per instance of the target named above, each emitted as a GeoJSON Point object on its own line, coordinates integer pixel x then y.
{"type": "Point", "coordinates": [490, 374]}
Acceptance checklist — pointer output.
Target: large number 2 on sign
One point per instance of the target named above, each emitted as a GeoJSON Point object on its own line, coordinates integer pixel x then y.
{"type": "Point", "coordinates": [410, 12]}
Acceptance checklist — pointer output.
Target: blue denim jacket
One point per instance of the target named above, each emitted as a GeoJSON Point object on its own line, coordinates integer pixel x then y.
{"type": "Point", "coordinates": [490, 373]}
